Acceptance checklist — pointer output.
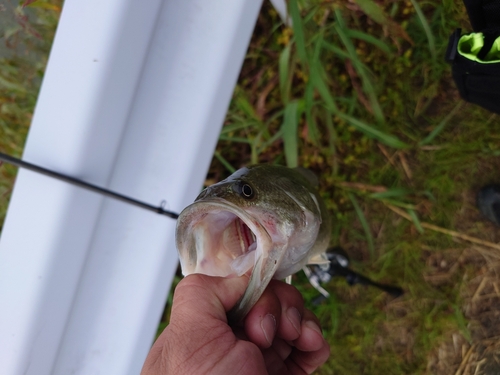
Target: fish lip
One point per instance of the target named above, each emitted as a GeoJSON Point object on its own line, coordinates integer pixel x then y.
{"type": "Point", "coordinates": [184, 222]}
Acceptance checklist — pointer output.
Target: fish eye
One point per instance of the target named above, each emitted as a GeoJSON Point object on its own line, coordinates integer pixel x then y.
{"type": "Point", "coordinates": [247, 191]}
{"type": "Point", "coordinates": [243, 189]}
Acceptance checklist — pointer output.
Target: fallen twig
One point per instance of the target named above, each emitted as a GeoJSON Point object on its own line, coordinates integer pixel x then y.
{"type": "Point", "coordinates": [449, 232]}
{"type": "Point", "coordinates": [361, 186]}
{"type": "Point", "coordinates": [465, 360]}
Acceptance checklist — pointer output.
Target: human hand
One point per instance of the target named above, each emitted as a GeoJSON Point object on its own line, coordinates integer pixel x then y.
{"type": "Point", "coordinates": [278, 336]}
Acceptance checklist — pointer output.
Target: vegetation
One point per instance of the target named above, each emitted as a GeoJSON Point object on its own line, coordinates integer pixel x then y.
{"type": "Point", "coordinates": [357, 91]}
{"type": "Point", "coordinates": [25, 38]}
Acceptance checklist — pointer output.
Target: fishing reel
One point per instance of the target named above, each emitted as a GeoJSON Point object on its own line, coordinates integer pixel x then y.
{"type": "Point", "coordinates": [339, 266]}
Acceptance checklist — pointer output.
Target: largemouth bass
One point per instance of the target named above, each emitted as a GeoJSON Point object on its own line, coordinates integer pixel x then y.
{"type": "Point", "coordinates": [264, 220]}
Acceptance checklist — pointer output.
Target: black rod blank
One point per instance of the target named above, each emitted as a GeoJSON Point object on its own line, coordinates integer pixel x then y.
{"type": "Point", "coordinates": [356, 278]}
{"type": "Point", "coordinates": [71, 180]}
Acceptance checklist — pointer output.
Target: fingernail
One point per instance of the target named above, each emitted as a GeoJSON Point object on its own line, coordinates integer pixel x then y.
{"type": "Point", "coordinates": [268, 325]}
{"type": "Point", "coordinates": [312, 325]}
{"type": "Point", "coordinates": [294, 317]}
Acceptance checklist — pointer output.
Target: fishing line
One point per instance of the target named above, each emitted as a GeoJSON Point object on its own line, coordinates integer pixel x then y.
{"type": "Point", "coordinates": [85, 185]}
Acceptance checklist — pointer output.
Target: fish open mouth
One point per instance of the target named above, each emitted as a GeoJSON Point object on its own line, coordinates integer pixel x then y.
{"type": "Point", "coordinates": [217, 238]}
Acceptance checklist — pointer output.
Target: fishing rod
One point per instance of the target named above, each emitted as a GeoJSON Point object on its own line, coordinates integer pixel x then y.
{"type": "Point", "coordinates": [85, 185]}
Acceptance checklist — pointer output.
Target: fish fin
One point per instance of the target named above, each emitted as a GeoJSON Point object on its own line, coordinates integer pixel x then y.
{"type": "Point", "coordinates": [288, 280]}
{"type": "Point", "coordinates": [315, 200]}
{"type": "Point", "coordinates": [318, 259]}
{"type": "Point", "coordinates": [308, 175]}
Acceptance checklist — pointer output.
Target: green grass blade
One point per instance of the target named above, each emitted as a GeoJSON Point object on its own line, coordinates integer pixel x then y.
{"type": "Point", "coordinates": [340, 53]}
{"type": "Point", "coordinates": [377, 13]}
{"type": "Point", "coordinates": [298, 30]}
{"type": "Point", "coordinates": [284, 73]}
{"type": "Point", "coordinates": [406, 206]}
{"type": "Point", "coordinates": [364, 224]}
{"type": "Point", "coordinates": [244, 106]}
{"type": "Point", "coordinates": [438, 129]}
{"type": "Point", "coordinates": [462, 322]}
{"type": "Point", "coordinates": [322, 88]}
{"type": "Point", "coordinates": [224, 162]}
{"type": "Point", "coordinates": [370, 131]}
{"type": "Point", "coordinates": [332, 138]}
{"type": "Point", "coordinates": [356, 34]}
{"type": "Point", "coordinates": [12, 86]}
{"type": "Point", "coordinates": [274, 116]}
{"type": "Point", "coordinates": [373, 10]}
{"type": "Point", "coordinates": [391, 193]}
{"type": "Point", "coordinates": [290, 126]}
{"type": "Point", "coordinates": [336, 50]}
{"type": "Point", "coordinates": [427, 30]}
{"type": "Point", "coordinates": [234, 139]}
{"type": "Point", "coordinates": [416, 220]}
{"type": "Point", "coordinates": [309, 104]}
{"type": "Point", "coordinates": [360, 68]}
{"type": "Point", "coordinates": [260, 148]}
{"type": "Point", "coordinates": [308, 110]}
{"type": "Point", "coordinates": [318, 45]}
{"type": "Point", "coordinates": [237, 126]}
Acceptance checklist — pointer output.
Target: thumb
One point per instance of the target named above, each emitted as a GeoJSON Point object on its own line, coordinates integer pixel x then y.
{"type": "Point", "coordinates": [204, 294]}
{"type": "Point", "coordinates": [199, 306]}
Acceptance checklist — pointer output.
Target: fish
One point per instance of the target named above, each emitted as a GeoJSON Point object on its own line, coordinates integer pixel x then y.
{"type": "Point", "coordinates": [266, 221]}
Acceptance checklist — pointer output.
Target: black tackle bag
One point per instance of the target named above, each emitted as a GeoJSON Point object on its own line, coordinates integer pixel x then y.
{"type": "Point", "coordinates": [475, 57]}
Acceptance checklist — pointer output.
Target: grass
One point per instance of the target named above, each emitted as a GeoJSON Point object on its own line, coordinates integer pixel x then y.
{"type": "Point", "coordinates": [359, 93]}
{"type": "Point", "coordinates": [25, 42]}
